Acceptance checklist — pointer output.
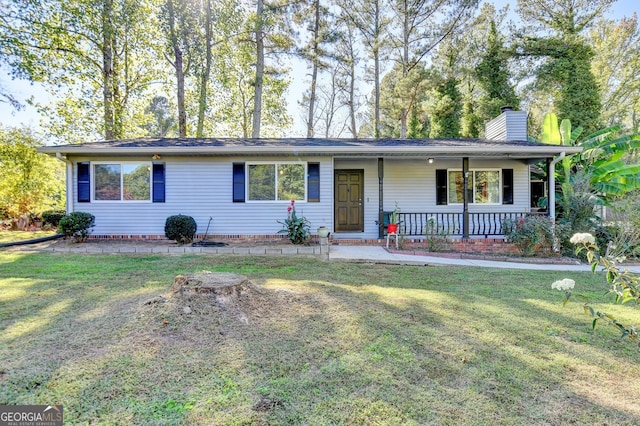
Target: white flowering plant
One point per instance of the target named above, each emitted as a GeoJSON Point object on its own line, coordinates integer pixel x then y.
{"type": "Point", "coordinates": [624, 284]}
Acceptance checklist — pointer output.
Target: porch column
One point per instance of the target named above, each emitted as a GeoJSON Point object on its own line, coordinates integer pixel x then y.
{"type": "Point", "coordinates": [380, 198]}
{"type": "Point", "coordinates": [465, 201]}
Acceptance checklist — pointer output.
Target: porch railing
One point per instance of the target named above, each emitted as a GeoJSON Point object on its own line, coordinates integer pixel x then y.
{"type": "Point", "coordinates": [452, 224]}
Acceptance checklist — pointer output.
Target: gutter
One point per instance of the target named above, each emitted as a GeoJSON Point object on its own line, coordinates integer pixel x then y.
{"type": "Point", "coordinates": [308, 150]}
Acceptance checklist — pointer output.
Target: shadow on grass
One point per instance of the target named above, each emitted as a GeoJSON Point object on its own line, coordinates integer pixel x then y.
{"type": "Point", "coordinates": [312, 343]}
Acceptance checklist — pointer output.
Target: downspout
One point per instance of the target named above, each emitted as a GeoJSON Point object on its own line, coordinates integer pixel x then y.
{"type": "Point", "coordinates": [69, 180]}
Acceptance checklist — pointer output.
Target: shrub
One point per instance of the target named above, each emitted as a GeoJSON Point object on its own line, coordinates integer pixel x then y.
{"type": "Point", "coordinates": [53, 217]}
{"type": "Point", "coordinates": [531, 234]}
{"type": "Point", "coordinates": [77, 225]}
{"type": "Point", "coordinates": [180, 228]}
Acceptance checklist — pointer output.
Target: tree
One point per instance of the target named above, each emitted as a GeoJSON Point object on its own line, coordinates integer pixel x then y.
{"type": "Point", "coordinates": [368, 18]}
{"type": "Point", "coordinates": [403, 95]}
{"type": "Point", "coordinates": [30, 182]}
{"type": "Point", "coordinates": [423, 24]}
{"type": "Point", "coordinates": [494, 77]}
{"type": "Point", "coordinates": [616, 47]}
{"type": "Point", "coordinates": [346, 59]}
{"type": "Point", "coordinates": [317, 17]}
{"type": "Point", "coordinates": [95, 57]}
{"type": "Point", "coordinates": [179, 20]}
{"type": "Point", "coordinates": [555, 35]}
{"type": "Point", "coordinates": [445, 108]}
{"type": "Point", "coordinates": [163, 120]}
{"type": "Point", "coordinates": [257, 97]}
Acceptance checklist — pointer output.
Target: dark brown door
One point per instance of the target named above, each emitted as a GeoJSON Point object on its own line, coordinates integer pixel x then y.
{"type": "Point", "coordinates": [349, 193]}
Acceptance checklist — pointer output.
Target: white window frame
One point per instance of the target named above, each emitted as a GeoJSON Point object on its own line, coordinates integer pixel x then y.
{"type": "Point", "coordinates": [472, 201]}
{"type": "Point", "coordinates": [149, 164]}
{"type": "Point", "coordinates": [276, 163]}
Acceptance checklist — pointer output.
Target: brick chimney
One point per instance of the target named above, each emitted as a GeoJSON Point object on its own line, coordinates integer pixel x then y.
{"type": "Point", "coordinates": [510, 125]}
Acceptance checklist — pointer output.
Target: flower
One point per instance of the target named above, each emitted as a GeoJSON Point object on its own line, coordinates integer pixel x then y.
{"type": "Point", "coordinates": [564, 285]}
{"type": "Point", "coordinates": [582, 238]}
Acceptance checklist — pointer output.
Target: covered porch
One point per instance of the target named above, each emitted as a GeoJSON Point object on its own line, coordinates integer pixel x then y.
{"type": "Point", "coordinates": [464, 197]}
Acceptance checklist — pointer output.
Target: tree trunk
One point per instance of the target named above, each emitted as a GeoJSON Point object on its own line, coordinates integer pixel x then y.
{"type": "Point", "coordinates": [257, 99]}
{"type": "Point", "coordinates": [204, 78]}
{"type": "Point", "coordinates": [107, 68]}
{"type": "Point", "coordinates": [179, 67]}
{"type": "Point", "coordinates": [352, 93]}
{"type": "Point", "coordinates": [314, 73]}
{"type": "Point", "coordinates": [376, 68]}
{"type": "Point", "coordinates": [405, 63]}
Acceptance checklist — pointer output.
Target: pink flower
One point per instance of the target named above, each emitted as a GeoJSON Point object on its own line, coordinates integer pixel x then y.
{"type": "Point", "coordinates": [289, 209]}
{"type": "Point", "coordinates": [293, 202]}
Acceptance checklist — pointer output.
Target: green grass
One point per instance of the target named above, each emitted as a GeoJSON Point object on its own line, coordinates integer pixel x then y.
{"type": "Point", "coordinates": [12, 236]}
{"type": "Point", "coordinates": [311, 343]}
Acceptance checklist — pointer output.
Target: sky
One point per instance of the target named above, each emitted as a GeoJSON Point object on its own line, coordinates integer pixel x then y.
{"type": "Point", "coordinates": [28, 116]}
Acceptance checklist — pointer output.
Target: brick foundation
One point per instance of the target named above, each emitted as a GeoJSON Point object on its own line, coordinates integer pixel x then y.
{"type": "Point", "coordinates": [491, 246]}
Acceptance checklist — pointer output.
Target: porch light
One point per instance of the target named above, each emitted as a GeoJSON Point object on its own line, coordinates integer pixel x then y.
{"type": "Point", "coordinates": [156, 156]}
{"type": "Point", "coordinates": [430, 160]}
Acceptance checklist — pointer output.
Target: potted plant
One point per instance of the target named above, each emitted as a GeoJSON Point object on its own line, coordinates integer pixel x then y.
{"type": "Point", "coordinates": [323, 232]}
{"type": "Point", "coordinates": [392, 227]}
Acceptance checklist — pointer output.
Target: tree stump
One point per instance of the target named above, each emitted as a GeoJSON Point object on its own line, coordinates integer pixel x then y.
{"type": "Point", "coordinates": [224, 287]}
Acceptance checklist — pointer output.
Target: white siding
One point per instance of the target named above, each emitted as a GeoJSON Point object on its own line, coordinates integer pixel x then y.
{"type": "Point", "coordinates": [202, 188]}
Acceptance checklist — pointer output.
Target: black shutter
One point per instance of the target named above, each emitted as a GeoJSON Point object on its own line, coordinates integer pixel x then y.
{"type": "Point", "coordinates": [158, 183]}
{"type": "Point", "coordinates": [441, 187]}
{"type": "Point", "coordinates": [84, 183]}
{"type": "Point", "coordinates": [313, 182]}
{"type": "Point", "coordinates": [238, 182]}
{"type": "Point", "coordinates": [507, 186]}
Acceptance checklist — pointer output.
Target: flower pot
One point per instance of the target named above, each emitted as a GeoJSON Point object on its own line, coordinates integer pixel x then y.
{"type": "Point", "coordinates": [323, 232]}
{"type": "Point", "coordinates": [392, 228]}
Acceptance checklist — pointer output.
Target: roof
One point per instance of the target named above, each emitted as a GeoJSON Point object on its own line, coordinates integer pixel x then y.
{"type": "Point", "coordinates": [385, 147]}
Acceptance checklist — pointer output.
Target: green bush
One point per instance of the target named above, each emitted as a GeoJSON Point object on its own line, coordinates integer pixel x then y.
{"type": "Point", "coordinates": [180, 228]}
{"type": "Point", "coordinates": [531, 234]}
{"type": "Point", "coordinates": [53, 217]}
{"type": "Point", "coordinates": [77, 225]}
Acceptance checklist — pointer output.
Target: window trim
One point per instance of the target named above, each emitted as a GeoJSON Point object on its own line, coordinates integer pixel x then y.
{"type": "Point", "coordinates": [276, 163]}
{"type": "Point", "coordinates": [473, 187]}
{"type": "Point", "coordinates": [149, 164]}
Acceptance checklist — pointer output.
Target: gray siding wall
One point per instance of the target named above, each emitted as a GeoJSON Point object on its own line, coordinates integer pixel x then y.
{"type": "Point", "coordinates": [202, 188]}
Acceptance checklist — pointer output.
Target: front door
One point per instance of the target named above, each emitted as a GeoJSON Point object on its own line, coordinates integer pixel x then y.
{"type": "Point", "coordinates": [349, 193]}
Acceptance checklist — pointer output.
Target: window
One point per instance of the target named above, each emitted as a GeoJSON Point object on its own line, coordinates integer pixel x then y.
{"type": "Point", "coordinates": [277, 181]}
{"type": "Point", "coordinates": [483, 187]}
{"type": "Point", "coordinates": [122, 182]}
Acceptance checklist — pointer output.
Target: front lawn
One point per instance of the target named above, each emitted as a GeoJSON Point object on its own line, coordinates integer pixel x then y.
{"type": "Point", "coordinates": [311, 343]}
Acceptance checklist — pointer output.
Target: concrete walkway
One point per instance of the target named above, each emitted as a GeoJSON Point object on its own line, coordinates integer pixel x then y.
{"type": "Point", "coordinates": [380, 255]}
{"type": "Point", "coordinates": [375, 254]}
